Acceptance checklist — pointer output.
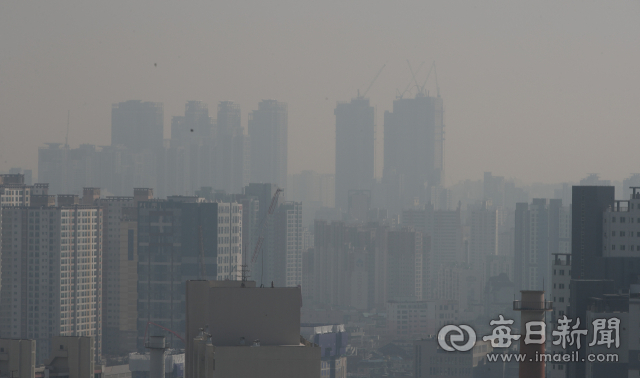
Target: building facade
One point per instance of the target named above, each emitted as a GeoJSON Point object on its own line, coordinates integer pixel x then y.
{"type": "Point", "coordinates": [52, 274]}
{"type": "Point", "coordinates": [182, 239]}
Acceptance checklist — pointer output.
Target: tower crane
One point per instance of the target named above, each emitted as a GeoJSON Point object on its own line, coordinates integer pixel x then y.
{"type": "Point", "coordinates": [413, 75]}
{"type": "Point", "coordinates": [371, 84]}
{"type": "Point", "coordinates": [176, 334]}
{"type": "Point", "coordinates": [400, 95]}
{"type": "Point", "coordinates": [201, 254]}
{"type": "Point", "coordinates": [435, 72]}
{"type": "Point", "coordinates": [263, 226]}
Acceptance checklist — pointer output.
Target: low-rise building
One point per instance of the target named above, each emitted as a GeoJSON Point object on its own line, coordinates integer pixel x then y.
{"type": "Point", "coordinates": [235, 329]}
{"type": "Point", "coordinates": [17, 358]}
{"type": "Point", "coordinates": [71, 357]}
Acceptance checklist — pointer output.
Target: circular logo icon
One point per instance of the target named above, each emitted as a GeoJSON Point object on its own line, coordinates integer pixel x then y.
{"type": "Point", "coordinates": [457, 336]}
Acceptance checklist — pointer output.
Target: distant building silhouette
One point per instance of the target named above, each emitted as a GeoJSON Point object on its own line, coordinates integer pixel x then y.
{"type": "Point", "coordinates": [137, 125]}
{"type": "Point", "coordinates": [355, 155]}
{"type": "Point", "coordinates": [232, 152]}
{"type": "Point", "coordinates": [542, 229]}
{"type": "Point", "coordinates": [268, 128]}
{"type": "Point", "coordinates": [413, 151]}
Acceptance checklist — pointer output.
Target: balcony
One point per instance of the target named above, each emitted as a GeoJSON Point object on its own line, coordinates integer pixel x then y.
{"type": "Point", "coordinates": [533, 306]}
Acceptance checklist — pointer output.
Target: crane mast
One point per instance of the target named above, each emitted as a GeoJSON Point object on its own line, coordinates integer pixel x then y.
{"type": "Point", "coordinates": [261, 233]}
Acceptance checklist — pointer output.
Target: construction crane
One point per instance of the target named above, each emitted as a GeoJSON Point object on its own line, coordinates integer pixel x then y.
{"type": "Point", "coordinates": [176, 334]}
{"type": "Point", "coordinates": [413, 75]}
{"type": "Point", "coordinates": [400, 95]}
{"type": "Point", "coordinates": [371, 84]}
{"type": "Point", "coordinates": [261, 235]}
{"type": "Point", "coordinates": [66, 138]}
{"type": "Point", "coordinates": [263, 226]}
{"type": "Point", "coordinates": [201, 257]}
{"type": "Point", "coordinates": [433, 68]}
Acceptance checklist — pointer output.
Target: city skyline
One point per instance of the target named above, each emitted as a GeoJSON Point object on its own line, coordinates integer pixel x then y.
{"type": "Point", "coordinates": [518, 79]}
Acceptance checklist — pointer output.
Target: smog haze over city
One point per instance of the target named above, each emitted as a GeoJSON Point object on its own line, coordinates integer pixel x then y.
{"type": "Point", "coordinates": [341, 189]}
{"type": "Point", "coordinates": [534, 90]}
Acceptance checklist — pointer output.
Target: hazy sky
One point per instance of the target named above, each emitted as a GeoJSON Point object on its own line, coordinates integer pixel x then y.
{"type": "Point", "coordinates": [540, 90]}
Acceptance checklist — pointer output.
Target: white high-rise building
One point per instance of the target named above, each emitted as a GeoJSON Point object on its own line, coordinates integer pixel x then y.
{"type": "Point", "coordinates": [52, 274]}
{"type": "Point", "coordinates": [287, 258]}
{"type": "Point", "coordinates": [229, 241]}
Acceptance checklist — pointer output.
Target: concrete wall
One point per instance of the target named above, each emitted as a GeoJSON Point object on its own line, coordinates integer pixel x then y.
{"type": "Point", "coordinates": [271, 315]}
{"type": "Point", "coordinates": [71, 357]}
{"type": "Point", "coordinates": [17, 358]}
{"type": "Point", "coordinates": [266, 362]}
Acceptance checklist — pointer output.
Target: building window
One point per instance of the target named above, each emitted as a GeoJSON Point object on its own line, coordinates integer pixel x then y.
{"type": "Point", "coordinates": [613, 247]}
{"type": "Point", "coordinates": [613, 219]}
{"type": "Point", "coordinates": [613, 233]}
{"type": "Point", "coordinates": [622, 219]}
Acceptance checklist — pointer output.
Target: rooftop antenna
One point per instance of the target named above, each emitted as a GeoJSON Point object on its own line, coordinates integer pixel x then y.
{"type": "Point", "coordinates": [66, 138]}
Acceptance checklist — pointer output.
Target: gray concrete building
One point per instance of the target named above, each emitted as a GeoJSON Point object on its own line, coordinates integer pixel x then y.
{"type": "Point", "coordinates": [17, 358]}
{"type": "Point", "coordinates": [235, 329]}
{"type": "Point", "coordinates": [71, 357]}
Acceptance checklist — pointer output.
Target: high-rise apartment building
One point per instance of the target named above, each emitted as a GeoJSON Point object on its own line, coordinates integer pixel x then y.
{"type": "Point", "coordinates": [287, 260]}
{"type": "Point", "coordinates": [192, 144]}
{"type": "Point", "coordinates": [52, 274]}
{"type": "Point", "coordinates": [355, 153]}
{"type": "Point", "coordinates": [445, 237]}
{"type": "Point", "coordinates": [413, 151]}
{"type": "Point", "coordinates": [542, 229]}
{"type": "Point", "coordinates": [137, 125]}
{"type": "Point", "coordinates": [195, 127]}
{"type": "Point", "coordinates": [407, 262]}
{"type": "Point", "coordinates": [120, 265]}
{"type": "Point", "coordinates": [483, 234]}
{"type": "Point", "coordinates": [182, 239]}
{"type": "Point", "coordinates": [53, 167]}
{"type": "Point", "coordinates": [232, 150]}
{"type": "Point", "coordinates": [262, 270]}
{"type": "Point", "coordinates": [587, 230]}
{"type": "Point", "coordinates": [268, 128]}
{"type": "Point", "coordinates": [14, 192]}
